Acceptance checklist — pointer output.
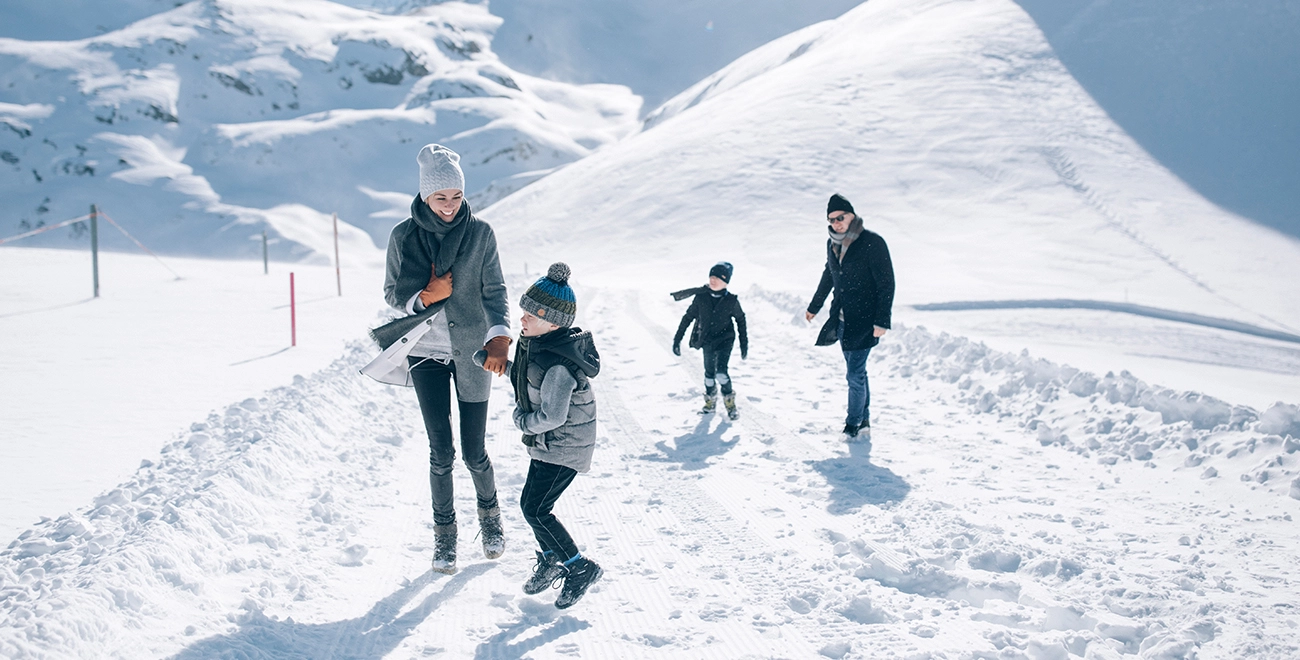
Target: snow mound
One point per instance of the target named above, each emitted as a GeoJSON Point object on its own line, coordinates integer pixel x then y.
{"type": "Point", "coordinates": [1110, 418]}
{"type": "Point", "coordinates": [200, 126]}
{"type": "Point", "coordinates": [146, 556]}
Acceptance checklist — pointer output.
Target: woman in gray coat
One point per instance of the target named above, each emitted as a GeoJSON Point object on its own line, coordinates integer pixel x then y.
{"type": "Point", "coordinates": [446, 324]}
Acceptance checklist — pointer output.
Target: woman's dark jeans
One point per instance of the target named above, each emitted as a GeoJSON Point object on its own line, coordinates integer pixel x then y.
{"type": "Point", "coordinates": [432, 381]}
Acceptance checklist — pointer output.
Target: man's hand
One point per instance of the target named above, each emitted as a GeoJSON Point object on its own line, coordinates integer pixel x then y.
{"type": "Point", "coordinates": [438, 288]}
{"type": "Point", "coordinates": [677, 349]}
{"type": "Point", "coordinates": [879, 331]}
{"type": "Point", "coordinates": [497, 349]}
{"type": "Point", "coordinates": [808, 316]}
{"type": "Point", "coordinates": [744, 353]}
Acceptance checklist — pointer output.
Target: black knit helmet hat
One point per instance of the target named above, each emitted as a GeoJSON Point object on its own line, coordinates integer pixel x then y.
{"type": "Point", "coordinates": [722, 270]}
{"type": "Point", "coordinates": [839, 203]}
{"type": "Point", "coordinates": [551, 298]}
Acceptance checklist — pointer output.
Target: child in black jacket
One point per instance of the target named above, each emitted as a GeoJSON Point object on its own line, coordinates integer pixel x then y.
{"type": "Point", "coordinates": [713, 310]}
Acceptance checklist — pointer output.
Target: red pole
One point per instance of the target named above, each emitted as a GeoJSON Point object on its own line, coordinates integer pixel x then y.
{"type": "Point", "coordinates": [293, 315]}
{"type": "Point", "coordinates": [338, 274]}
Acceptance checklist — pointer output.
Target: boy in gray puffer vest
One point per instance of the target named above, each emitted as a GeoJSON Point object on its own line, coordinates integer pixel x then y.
{"type": "Point", "coordinates": [556, 410]}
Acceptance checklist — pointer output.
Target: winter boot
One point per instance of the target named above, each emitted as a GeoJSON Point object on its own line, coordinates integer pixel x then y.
{"type": "Point", "coordinates": [444, 548]}
{"type": "Point", "coordinates": [494, 537]}
{"type": "Point", "coordinates": [546, 574]}
{"type": "Point", "coordinates": [851, 431]}
{"type": "Point", "coordinates": [710, 402]}
{"type": "Point", "coordinates": [578, 575]}
{"type": "Point", "coordinates": [730, 402]}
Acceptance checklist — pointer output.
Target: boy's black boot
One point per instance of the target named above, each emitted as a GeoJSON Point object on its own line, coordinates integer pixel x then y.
{"type": "Point", "coordinates": [444, 548]}
{"type": "Point", "coordinates": [546, 574]}
{"type": "Point", "coordinates": [851, 430]}
{"type": "Point", "coordinates": [578, 576]}
{"type": "Point", "coordinates": [710, 400]}
{"type": "Point", "coordinates": [494, 537]}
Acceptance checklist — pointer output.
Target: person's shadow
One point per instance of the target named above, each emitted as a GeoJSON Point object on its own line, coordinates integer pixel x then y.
{"type": "Point", "coordinates": [374, 634]}
{"type": "Point", "coordinates": [499, 646]}
{"type": "Point", "coordinates": [856, 482]}
{"type": "Point", "coordinates": [693, 450]}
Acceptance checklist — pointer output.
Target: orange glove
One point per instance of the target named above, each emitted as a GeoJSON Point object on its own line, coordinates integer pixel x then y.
{"type": "Point", "coordinates": [498, 348]}
{"type": "Point", "coordinates": [438, 288]}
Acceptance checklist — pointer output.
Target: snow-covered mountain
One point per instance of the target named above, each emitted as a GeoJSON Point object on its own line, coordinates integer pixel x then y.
{"type": "Point", "coordinates": [960, 138]}
{"type": "Point", "coordinates": [199, 126]}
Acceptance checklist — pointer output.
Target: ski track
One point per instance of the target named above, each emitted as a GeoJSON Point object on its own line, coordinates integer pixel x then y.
{"type": "Point", "coordinates": [1008, 508]}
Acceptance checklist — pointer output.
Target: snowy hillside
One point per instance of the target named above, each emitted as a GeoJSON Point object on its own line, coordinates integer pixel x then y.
{"type": "Point", "coordinates": [1208, 87]}
{"type": "Point", "coordinates": [958, 136]}
{"type": "Point", "coordinates": [198, 127]}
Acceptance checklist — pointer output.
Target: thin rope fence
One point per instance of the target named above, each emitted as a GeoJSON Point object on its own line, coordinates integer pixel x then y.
{"type": "Point", "coordinates": [138, 243]}
{"type": "Point", "coordinates": [46, 228]}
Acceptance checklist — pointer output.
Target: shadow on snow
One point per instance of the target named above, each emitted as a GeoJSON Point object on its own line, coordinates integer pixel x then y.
{"type": "Point", "coordinates": [693, 450]}
{"type": "Point", "coordinates": [375, 634]}
{"type": "Point", "coordinates": [855, 482]}
{"type": "Point", "coordinates": [499, 646]}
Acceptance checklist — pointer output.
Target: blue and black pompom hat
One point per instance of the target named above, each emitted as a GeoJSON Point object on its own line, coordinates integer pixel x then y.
{"type": "Point", "coordinates": [551, 298]}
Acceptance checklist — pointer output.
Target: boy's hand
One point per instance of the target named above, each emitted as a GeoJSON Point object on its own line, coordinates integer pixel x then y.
{"type": "Point", "coordinates": [744, 353]}
{"type": "Point", "coordinates": [677, 349]}
{"type": "Point", "coordinates": [438, 288]}
{"type": "Point", "coordinates": [498, 348]}
{"type": "Point", "coordinates": [808, 316]}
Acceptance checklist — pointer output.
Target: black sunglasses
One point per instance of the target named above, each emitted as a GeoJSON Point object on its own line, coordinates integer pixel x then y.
{"type": "Point", "coordinates": [838, 217]}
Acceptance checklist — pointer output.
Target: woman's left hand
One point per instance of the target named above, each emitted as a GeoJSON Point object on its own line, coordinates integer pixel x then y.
{"type": "Point", "coordinates": [498, 350]}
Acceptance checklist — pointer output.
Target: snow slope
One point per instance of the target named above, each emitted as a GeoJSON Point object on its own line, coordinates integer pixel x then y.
{"type": "Point", "coordinates": [91, 386]}
{"type": "Point", "coordinates": [950, 125]}
{"type": "Point", "coordinates": [1208, 87]}
{"type": "Point", "coordinates": [961, 139]}
{"type": "Point", "coordinates": [202, 125]}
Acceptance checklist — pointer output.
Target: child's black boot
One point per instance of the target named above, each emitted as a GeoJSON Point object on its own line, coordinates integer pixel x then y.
{"type": "Point", "coordinates": [579, 574]}
{"type": "Point", "coordinates": [546, 574]}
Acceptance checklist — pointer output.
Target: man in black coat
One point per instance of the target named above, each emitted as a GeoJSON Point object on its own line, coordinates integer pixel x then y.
{"type": "Point", "coordinates": [858, 269]}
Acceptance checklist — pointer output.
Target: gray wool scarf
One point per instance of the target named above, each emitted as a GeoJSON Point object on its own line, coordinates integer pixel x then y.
{"type": "Point", "coordinates": [843, 241]}
{"type": "Point", "coordinates": [431, 247]}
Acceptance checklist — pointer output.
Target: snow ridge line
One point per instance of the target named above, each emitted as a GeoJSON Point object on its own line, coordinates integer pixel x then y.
{"type": "Point", "coordinates": [1126, 308]}
{"type": "Point", "coordinates": [1114, 417]}
{"type": "Point", "coordinates": [1065, 169]}
{"type": "Point", "coordinates": [207, 515]}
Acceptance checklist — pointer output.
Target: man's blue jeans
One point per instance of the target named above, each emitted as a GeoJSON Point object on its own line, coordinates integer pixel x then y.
{"type": "Point", "coordinates": [855, 363]}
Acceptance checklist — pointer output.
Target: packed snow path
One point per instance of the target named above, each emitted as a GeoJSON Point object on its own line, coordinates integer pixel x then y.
{"type": "Point", "coordinates": [1007, 507]}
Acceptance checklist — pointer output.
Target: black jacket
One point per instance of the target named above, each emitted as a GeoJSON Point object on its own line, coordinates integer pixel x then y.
{"type": "Point", "coordinates": [713, 319]}
{"type": "Point", "coordinates": [864, 292]}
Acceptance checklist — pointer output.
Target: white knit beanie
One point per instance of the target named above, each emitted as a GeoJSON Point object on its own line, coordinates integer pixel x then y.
{"type": "Point", "coordinates": [439, 170]}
